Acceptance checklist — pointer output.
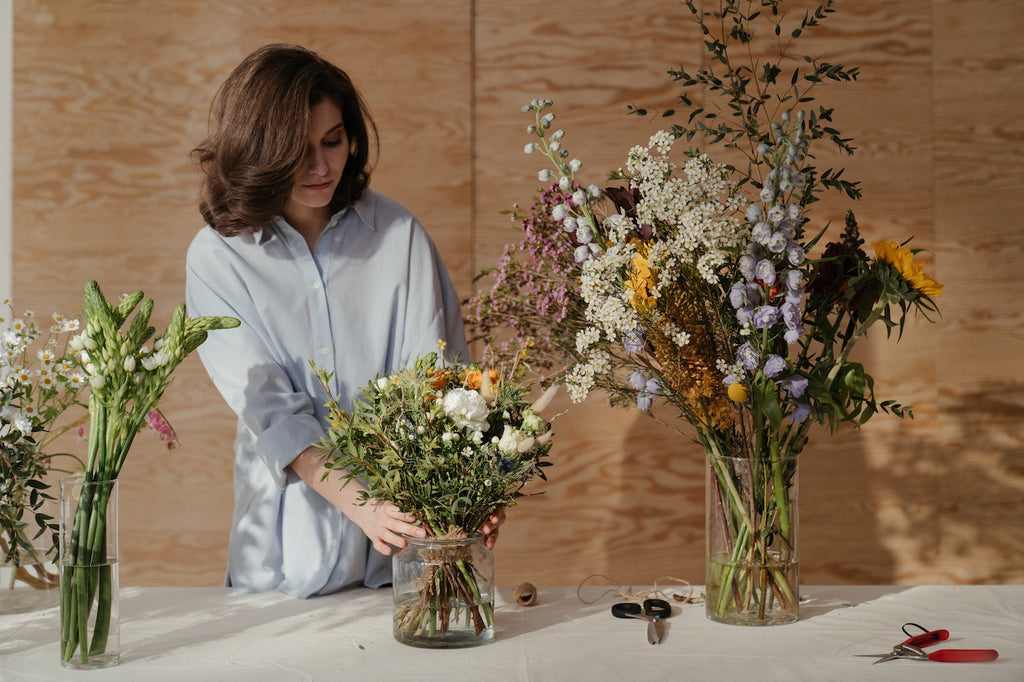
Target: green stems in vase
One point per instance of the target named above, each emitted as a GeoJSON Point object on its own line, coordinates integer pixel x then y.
{"type": "Point", "coordinates": [127, 378]}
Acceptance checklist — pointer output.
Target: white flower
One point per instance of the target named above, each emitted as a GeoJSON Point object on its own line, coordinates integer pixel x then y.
{"type": "Point", "coordinates": [467, 408]}
{"type": "Point", "coordinates": [510, 440]}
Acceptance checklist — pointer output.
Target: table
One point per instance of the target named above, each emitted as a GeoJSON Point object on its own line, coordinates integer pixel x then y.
{"type": "Point", "coordinates": [199, 634]}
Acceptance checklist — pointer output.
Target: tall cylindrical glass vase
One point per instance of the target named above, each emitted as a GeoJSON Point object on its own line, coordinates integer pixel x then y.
{"type": "Point", "coordinates": [89, 632]}
{"type": "Point", "coordinates": [753, 575]}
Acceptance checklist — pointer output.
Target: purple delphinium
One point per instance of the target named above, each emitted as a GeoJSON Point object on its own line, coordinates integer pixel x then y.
{"type": "Point", "coordinates": [774, 365]}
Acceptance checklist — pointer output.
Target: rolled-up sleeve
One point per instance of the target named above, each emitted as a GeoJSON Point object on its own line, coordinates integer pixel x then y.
{"type": "Point", "coordinates": [242, 363]}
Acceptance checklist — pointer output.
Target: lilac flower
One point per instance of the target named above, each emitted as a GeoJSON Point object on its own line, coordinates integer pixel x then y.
{"type": "Point", "coordinates": [747, 263]}
{"type": "Point", "coordinates": [748, 356]}
{"type": "Point", "coordinates": [790, 314]}
{"type": "Point", "coordinates": [796, 386]}
{"type": "Point", "coordinates": [761, 232]}
{"type": "Point", "coordinates": [753, 213]}
{"type": "Point", "coordinates": [777, 243]}
{"type": "Point", "coordinates": [795, 255]}
{"type": "Point", "coordinates": [765, 271]}
{"type": "Point", "coordinates": [774, 365]}
{"type": "Point", "coordinates": [633, 340]}
{"type": "Point", "coordinates": [738, 295]}
{"type": "Point", "coordinates": [800, 413]}
{"type": "Point", "coordinates": [745, 316]}
{"type": "Point", "coordinates": [793, 334]}
{"type": "Point", "coordinates": [581, 254]}
{"type": "Point", "coordinates": [646, 390]}
{"type": "Point", "coordinates": [765, 316]}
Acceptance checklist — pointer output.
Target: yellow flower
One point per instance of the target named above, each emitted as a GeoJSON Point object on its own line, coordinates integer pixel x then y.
{"type": "Point", "coordinates": [902, 259]}
{"type": "Point", "coordinates": [737, 392]}
{"type": "Point", "coordinates": [640, 280]}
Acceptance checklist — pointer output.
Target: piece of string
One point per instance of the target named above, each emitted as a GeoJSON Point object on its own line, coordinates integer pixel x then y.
{"type": "Point", "coordinates": [626, 594]}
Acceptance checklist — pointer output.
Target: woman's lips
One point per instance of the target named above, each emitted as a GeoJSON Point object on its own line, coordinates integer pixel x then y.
{"type": "Point", "coordinates": [318, 186]}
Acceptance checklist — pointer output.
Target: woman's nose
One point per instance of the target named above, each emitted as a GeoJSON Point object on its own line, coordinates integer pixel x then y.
{"type": "Point", "coordinates": [316, 164]}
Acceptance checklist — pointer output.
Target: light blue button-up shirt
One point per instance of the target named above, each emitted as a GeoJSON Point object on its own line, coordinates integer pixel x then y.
{"type": "Point", "coordinates": [372, 296]}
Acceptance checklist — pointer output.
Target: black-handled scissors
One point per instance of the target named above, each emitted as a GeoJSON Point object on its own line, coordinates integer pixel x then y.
{"type": "Point", "coordinates": [652, 610]}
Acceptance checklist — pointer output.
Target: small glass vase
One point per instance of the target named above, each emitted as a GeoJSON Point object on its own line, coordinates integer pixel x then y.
{"type": "Point", "coordinates": [29, 584]}
{"type": "Point", "coordinates": [89, 627]}
{"type": "Point", "coordinates": [443, 592]}
{"type": "Point", "coordinates": [753, 575]}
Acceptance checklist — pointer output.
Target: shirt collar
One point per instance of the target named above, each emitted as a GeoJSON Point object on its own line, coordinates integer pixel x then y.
{"type": "Point", "coordinates": [364, 209]}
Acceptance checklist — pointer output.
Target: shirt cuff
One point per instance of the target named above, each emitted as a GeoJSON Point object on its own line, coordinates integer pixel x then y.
{"type": "Point", "coordinates": [280, 444]}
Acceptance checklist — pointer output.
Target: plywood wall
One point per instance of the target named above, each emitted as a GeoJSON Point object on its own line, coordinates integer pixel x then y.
{"type": "Point", "coordinates": [109, 97]}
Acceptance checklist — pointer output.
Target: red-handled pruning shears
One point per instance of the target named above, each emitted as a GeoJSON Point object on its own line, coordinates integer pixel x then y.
{"type": "Point", "coordinates": [913, 649]}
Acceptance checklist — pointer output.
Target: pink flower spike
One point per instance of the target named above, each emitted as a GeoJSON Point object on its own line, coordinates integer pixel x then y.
{"type": "Point", "coordinates": [156, 421]}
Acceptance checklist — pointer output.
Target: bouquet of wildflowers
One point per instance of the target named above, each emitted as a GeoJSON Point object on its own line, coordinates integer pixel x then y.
{"type": "Point", "coordinates": [706, 285]}
{"type": "Point", "coordinates": [38, 383]}
{"type": "Point", "coordinates": [127, 377]}
{"type": "Point", "coordinates": [448, 444]}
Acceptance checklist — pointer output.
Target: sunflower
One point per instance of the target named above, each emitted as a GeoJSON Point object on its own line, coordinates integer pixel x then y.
{"type": "Point", "coordinates": [902, 259]}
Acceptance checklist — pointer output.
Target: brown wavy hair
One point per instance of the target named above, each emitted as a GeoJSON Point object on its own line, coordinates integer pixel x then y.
{"type": "Point", "coordinates": [259, 131]}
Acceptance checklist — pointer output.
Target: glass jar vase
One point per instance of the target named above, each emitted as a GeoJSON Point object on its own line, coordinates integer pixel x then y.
{"type": "Point", "coordinates": [443, 592]}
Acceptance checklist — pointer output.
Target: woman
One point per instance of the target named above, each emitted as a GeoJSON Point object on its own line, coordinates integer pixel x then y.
{"type": "Point", "coordinates": [318, 268]}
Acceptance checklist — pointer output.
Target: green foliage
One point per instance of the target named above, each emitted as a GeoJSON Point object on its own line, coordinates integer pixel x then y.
{"type": "Point", "coordinates": [739, 100]}
{"type": "Point", "coordinates": [449, 444]}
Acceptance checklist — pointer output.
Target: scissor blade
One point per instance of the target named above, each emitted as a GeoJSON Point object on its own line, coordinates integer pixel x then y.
{"type": "Point", "coordinates": [653, 636]}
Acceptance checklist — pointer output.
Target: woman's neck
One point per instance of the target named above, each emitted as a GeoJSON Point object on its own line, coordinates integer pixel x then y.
{"type": "Point", "coordinates": [310, 223]}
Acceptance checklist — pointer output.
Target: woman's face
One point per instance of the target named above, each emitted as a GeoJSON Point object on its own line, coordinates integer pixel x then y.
{"type": "Point", "coordinates": [322, 165]}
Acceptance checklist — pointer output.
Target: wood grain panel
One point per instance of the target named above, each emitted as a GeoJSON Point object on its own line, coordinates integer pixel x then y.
{"type": "Point", "coordinates": [109, 97]}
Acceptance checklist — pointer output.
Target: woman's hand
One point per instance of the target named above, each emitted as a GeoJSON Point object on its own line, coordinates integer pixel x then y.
{"type": "Point", "coordinates": [490, 527]}
{"type": "Point", "coordinates": [382, 522]}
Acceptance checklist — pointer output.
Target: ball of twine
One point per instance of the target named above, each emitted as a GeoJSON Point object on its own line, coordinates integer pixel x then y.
{"type": "Point", "coordinates": [525, 594]}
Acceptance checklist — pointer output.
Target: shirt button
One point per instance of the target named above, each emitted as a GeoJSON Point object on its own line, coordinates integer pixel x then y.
{"type": "Point", "coordinates": [316, 285]}
{"type": "Point", "coordinates": [325, 350]}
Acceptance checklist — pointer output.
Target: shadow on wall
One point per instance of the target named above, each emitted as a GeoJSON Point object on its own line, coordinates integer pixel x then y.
{"type": "Point", "coordinates": [961, 490]}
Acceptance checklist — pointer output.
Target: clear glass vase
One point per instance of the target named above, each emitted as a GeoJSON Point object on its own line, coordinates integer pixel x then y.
{"type": "Point", "coordinates": [443, 592]}
{"type": "Point", "coordinates": [753, 570]}
{"type": "Point", "coordinates": [89, 619]}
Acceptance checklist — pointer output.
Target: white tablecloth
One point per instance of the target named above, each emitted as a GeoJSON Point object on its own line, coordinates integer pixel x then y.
{"type": "Point", "coordinates": [198, 634]}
